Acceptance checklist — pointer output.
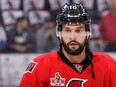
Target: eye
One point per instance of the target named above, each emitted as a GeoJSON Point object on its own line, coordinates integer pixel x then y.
{"type": "Point", "coordinates": [67, 31]}
{"type": "Point", "coordinates": [79, 31]}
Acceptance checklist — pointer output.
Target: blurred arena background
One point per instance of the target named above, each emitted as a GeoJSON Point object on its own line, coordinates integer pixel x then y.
{"type": "Point", "coordinates": [27, 29]}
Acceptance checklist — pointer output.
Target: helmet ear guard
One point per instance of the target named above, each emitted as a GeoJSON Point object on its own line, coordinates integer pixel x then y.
{"type": "Point", "coordinates": [88, 35]}
{"type": "Point", "coordinates": [88, 29]}
{"type": "Point", "coordinates": [58, 33]}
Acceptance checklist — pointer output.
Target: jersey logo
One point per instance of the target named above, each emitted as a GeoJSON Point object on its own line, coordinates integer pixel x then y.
{"type": "Point", "coordinates": [75, 82]}
{"type": "Point", "coordinates": [57, 80]}
{"type": "Point", "coordinates": [31, 67]}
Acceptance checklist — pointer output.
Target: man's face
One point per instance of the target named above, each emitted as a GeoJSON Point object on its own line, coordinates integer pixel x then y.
{"type": "Point", "coordinates": [73, 37]}
{"type": "Point", "coordinates": [24, 23]}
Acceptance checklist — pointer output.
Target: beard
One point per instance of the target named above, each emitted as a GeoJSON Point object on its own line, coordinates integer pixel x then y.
{"type": "Point", "coordinates": [76, 51]}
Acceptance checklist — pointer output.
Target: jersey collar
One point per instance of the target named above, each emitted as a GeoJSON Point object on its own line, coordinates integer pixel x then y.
{"type": "Point", "coordinates": [86, 62]}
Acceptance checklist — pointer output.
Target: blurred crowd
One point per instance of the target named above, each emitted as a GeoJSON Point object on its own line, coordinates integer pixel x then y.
{"type": "Point", "coordinates": [28, 26]}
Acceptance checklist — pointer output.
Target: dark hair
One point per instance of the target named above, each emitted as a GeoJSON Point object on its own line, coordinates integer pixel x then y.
{"type": "Point", "coordinates": [48, 19]}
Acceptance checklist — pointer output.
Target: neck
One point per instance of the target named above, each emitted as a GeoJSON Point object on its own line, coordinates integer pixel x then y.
{"type": "Point", "coordinates": [75, 58]}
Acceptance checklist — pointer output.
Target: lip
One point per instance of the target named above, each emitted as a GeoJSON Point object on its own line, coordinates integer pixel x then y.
{"type": "Point", "coordinates": [73, 43]}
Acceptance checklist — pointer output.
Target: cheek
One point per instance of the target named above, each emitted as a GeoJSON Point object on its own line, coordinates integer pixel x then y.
{"type": "Point", "coordinates": [81, 39]}
{"type": "Point", "coordinates": [66, 40]}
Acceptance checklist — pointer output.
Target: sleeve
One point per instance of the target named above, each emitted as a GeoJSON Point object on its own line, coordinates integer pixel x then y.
{"type": "Point", "coordinates": [29, 78]}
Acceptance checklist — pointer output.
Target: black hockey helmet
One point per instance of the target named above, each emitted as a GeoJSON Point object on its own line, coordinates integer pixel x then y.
{"type": "Point", "coordinates": [73, 13]}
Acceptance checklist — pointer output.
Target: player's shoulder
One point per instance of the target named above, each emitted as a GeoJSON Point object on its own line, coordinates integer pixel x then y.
{"type": "Point", "coordinates": [46, 56]}
{"type": "Point", "coordinates": [101, 56]}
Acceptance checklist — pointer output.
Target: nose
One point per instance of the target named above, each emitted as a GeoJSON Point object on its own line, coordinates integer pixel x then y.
{"type": "Point", "coordinates": [73, 36]}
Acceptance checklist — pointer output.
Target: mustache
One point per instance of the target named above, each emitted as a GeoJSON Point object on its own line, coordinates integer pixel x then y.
{"type": "Point", "coordinates": [74, 42]}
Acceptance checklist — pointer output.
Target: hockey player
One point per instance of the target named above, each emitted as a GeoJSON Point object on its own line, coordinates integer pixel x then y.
{"type": "Point", "coordinates": [74, 65]}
